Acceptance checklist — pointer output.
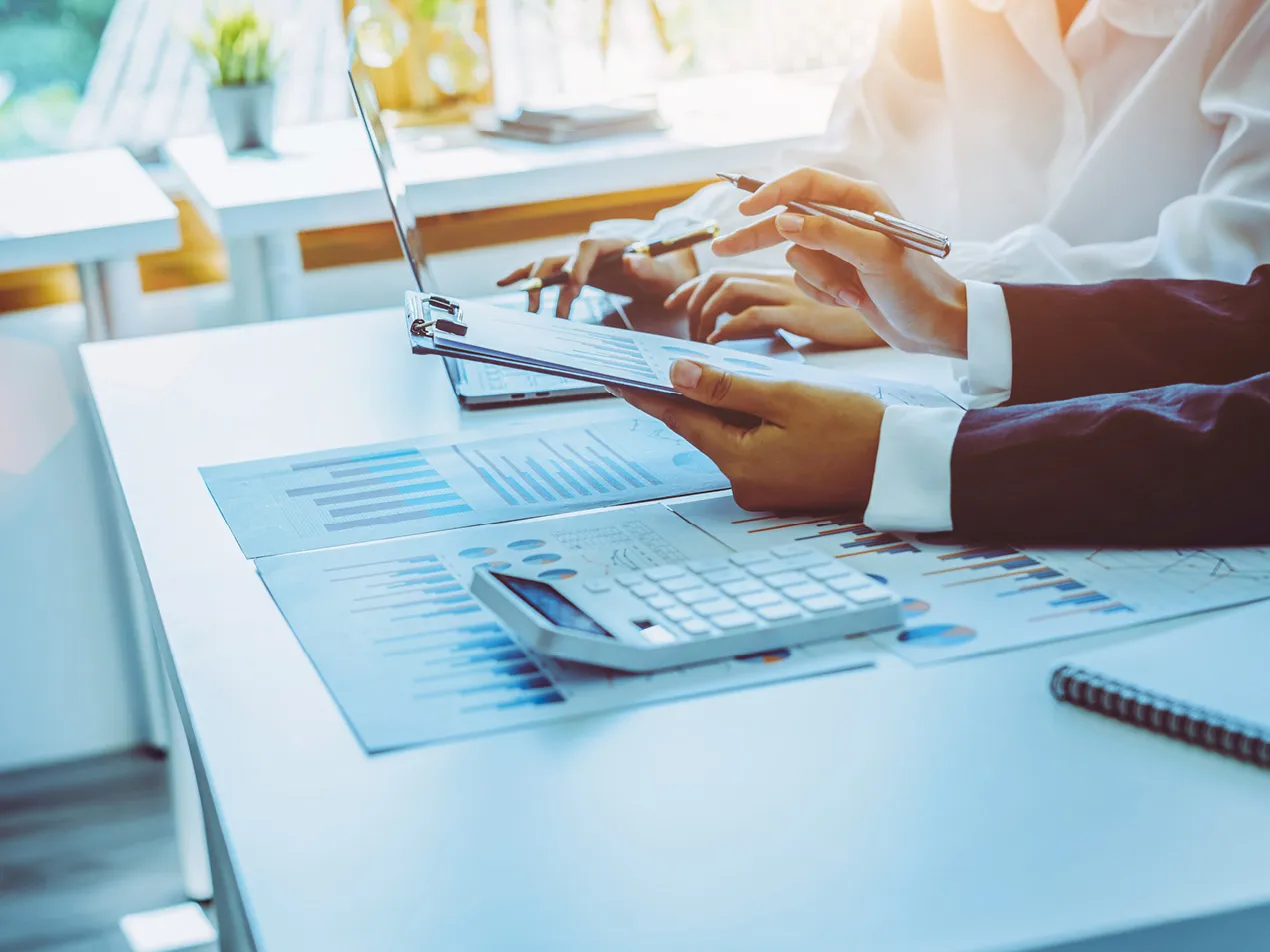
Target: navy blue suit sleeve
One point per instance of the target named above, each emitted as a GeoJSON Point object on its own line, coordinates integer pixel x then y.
{"type": "Point", "coordinates": [1182, 465]}
{"type": "Point", "coordinates": [1071, 341]}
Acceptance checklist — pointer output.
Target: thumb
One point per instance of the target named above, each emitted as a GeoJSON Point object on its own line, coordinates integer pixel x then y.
{"type": "Point", "coordinates": [721, 388]}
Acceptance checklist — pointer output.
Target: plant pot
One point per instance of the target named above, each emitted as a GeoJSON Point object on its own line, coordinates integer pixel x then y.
{"type": "Point", "coordinates": [244, 115]}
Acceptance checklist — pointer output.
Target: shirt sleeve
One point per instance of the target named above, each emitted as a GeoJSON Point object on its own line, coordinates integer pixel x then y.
{"type": "Point", "coordinates": [912, 479]}
{"type": "Point", "coordinates": [986, 376]}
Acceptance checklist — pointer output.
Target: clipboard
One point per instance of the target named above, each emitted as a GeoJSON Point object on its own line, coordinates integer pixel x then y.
{"type": "Point", "coordinates": [613, 356]}
{"type": "Point", "coordinates": [596, 353]}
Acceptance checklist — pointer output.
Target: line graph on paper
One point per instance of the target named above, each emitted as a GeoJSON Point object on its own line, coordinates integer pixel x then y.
{"type": "Point", "coordinates": [1195, 569]}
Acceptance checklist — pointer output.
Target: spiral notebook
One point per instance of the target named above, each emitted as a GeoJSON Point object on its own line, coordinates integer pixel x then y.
{"type": "Point", "coordinates": [1207, 685]}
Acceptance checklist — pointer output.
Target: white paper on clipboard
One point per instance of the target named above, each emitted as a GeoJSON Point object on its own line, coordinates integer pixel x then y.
{"type": "Point", "coordinates": [471, 330]}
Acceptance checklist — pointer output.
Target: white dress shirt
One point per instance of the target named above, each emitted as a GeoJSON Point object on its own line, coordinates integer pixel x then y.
{"type": "Point", "coordinates": [1136, 145]}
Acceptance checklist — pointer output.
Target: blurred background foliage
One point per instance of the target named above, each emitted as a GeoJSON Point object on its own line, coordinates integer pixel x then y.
{"type": "Point", "coordinates": [47, 48]}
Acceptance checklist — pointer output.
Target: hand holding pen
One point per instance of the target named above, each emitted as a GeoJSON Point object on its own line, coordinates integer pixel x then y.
{"type": "Point", "coordinates": [619, 265]}
{"type": "Point", "coordinates": [909, 300]}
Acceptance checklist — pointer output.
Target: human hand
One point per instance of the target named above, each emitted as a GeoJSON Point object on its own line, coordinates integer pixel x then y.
{"type": "Point", "coordinates": [635, 276]}
{"type": "Point", "coordinates": [762, 302]}
{"type": "Point", "coordinates": [815, 448]}
{"type": "Point", "coordinates": [904, 295]}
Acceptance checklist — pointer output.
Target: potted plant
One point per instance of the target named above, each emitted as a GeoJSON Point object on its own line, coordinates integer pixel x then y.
{"type": "Point", "coordinates": [455, 58]}
{"type": "Point", "coordinates": [236, 44]}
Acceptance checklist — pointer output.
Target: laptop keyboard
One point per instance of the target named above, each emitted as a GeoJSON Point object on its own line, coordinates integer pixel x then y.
{"type": "Point", "coordinates": [493, 379]}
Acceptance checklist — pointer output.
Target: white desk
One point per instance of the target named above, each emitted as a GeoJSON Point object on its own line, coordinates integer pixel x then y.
{"type": "Point", "coordinates": [947, 809]}
{"type": "Point", "coordinates": [323, 176]}
{"type": "Point", "coordinates": [97, 210]}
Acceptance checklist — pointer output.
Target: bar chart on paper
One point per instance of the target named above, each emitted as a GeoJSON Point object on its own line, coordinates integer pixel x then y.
{"type": "Point", "coordinates": [964, 600]}
{"type": "Point", "coordinates": [412, 657]}
{"type": "Point", "coordinates": [376, 492]}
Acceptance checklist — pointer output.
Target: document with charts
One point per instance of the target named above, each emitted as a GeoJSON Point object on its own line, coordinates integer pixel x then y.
{"type": "Point", "coordinates": [363, 493]}
{"type": "Point", "coordinates": [613, 355]}
{"type": "Point", "coordinates": [412, 658]}
{"type": "Point", "coordinates": [965, 600]}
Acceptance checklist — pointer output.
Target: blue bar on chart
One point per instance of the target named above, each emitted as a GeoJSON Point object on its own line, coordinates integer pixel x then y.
{"type": "Point", "coordinates": [1014, 574]}
{"type": "Point", "coordinates": [376, 492]}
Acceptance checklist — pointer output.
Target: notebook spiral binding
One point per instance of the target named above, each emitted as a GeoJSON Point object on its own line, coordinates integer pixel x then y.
{"type": "Point", "coordinates": [1184, 722]}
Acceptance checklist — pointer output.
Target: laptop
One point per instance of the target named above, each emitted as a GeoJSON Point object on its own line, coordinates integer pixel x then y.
{"type": "Point", "coordinates": [475, 384]}
{"type": "Point", "coordinates": [480, 385]}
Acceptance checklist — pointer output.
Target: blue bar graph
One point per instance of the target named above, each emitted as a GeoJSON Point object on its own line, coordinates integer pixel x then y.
{"type": "Point", "coordinates": [349, 460]}
{"type": "Point", "coordinates": [378, 492]}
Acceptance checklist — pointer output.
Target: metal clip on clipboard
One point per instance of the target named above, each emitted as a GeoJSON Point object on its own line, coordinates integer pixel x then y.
{"type": "Point", "coordinates": [449, 320]}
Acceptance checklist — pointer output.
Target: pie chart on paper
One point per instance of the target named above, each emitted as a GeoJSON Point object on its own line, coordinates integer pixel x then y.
{"type": "Point", "coordinates": [938, 636]}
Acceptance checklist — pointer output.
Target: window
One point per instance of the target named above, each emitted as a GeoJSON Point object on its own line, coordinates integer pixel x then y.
{"type": "Point", "coordinates": [47, 49]}
{"type": "Point", "coordinates": [549, 50]}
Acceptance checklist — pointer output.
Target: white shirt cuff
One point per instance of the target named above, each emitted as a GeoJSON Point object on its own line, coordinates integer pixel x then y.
{"type": "Point", "coordinates": [987, 374]}
{"type": "Point", "coordinates": [912, 479]}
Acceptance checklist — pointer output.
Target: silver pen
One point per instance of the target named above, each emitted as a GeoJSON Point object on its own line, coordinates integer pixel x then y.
{"type": "Point", "coordinates": [903, 232]}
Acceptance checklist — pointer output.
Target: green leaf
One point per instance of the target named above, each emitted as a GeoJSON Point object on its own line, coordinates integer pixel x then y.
{"type": "Point", "coordinates": [235, 44]}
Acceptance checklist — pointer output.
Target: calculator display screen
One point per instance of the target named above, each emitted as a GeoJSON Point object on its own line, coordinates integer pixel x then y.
{"type": "Point", "coordinates": [551, 605]}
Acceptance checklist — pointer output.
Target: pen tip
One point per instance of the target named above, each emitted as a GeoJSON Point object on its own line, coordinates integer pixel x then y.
{"type": "Point", "coordinates": [726, 177]}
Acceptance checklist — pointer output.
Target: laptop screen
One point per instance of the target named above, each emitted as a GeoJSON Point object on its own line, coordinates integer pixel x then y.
{"type": "Point", "coordinates": [363, 89]}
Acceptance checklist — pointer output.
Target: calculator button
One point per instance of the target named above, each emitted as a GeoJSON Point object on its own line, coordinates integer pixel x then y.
{"type": "Point", "coordinates": [718, 606]}
{"type": "Point", "coordinates": [806, 590]}
{"type": "Point", "coordinates": [734, 620]}
{"type": "Point", "coordinates": [793, 550]}
{"type": "Point", "coordinates": [677, 613]}
{"type": "Point", "coordinates": [825, 603]}
{"type": "Point", "coordinates": [805, 561]}
{"type": "Point", "coordinates": [779, 612]}
{"type": "Point", "coordinates": [832, 570]}
{"type": "Point", "coordinates": [745, 587]}
{"type": "Point", "coordinates": [749, 558]}
{"type": "Point", "coordinates": [695, 596]}
{"type": "Point", "coordinates": [645, 590]}
{"type": "Point", "coordinates": [657, 635]}
{"type": "Point", "coordinates": [696, 627]}
{"type": "Point", "coordinates": [663, 572]}
{"type": "Point", "coordinates": [767, 567]}
{"type": "Point", "coordinates": [660, 602]}
{"type": "Point", "coordinates": [597, 586]}
{"type": "Point", "coordinates": [709, 565]}
{"type": "Point", "coordinates": [679, 584]}
{"type": "Point", "coordinates": [847, 582]}
{"type": "Point", "coordinates": [759, 599]}
{"type": "Point", "coordinates": [727, 574]}
{"type": "Point", "coordinates": [630, 578]}
{"type": "Point", "coordinates": [784, 579]}
{"type": "Point", "coordinates": [868, 595]}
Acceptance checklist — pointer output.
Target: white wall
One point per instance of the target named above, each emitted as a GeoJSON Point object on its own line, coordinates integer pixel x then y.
{"type": "Point", "coordinates": [66, 666]}
{"type": "Point", "coordinates": [70, 684]}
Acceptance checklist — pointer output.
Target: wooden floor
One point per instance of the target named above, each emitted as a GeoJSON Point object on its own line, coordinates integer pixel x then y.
{"type": "Point", "coordinates": [81, 845]}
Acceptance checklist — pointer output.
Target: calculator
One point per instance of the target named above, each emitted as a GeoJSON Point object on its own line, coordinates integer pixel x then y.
{"type": "Point", "coordinates": [672, 615]}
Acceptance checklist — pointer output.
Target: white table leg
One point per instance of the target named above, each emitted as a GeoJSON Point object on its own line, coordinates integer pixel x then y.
{"type": "Point", "coordinates": [93, 294]}
{"type": "Point", "coordinates": [247, 279]}
{"type": "Point", "coordinates": [187, 811]}
{"type": "Point", "coordinates": [266, 272]}
{"type": "Point", "coordinates": [164, 728]}
{"type": "Point", "coordinates": [284, 272]}
{"type": "Point", "coordinates": [111, 290]}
